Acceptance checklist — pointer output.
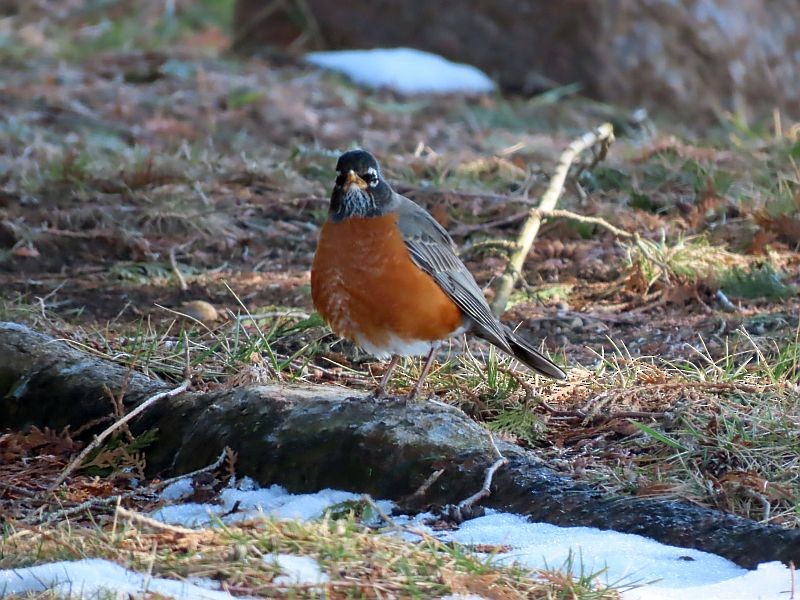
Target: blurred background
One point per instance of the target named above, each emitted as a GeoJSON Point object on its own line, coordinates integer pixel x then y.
{"type": "Point", "coordinates": [695, 57]}
{"type": "Point", "coordinates": [699, 58]}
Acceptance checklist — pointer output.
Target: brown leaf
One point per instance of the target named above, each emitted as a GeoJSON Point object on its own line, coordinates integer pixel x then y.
{"type": "Point", "coordinates": [680, 293]}
{"type": "Point", "coordinates": [787, 228]}
{"type": "Point", "coordinates": [81, 489]}
{"type": "Point", "coordinates": [760, 241]}
{"type": "Point", "coordinates": [11, 447]}
{"type": "Point", "coordinates": [753, 481]}
{"type": "Point", "coordinates": [37, 441]}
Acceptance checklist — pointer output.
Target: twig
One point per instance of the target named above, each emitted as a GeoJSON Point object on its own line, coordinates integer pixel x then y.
{"type": "Point", "coordinates": [423, 489]}
{"type": "Point", "coordinates": [174, 264]}
{"type": "Point", "coordinates": [465, 229]}
{"type": "Point", "coordinates": [503, 245]}
{"type": "Point", "coordinates": [390, 522]}
{"type": "Point", "coordinates": [103, 502]}
{"type": "Point", "coordinates": [568, 214]}
{"type": "Point", "coordinates": [726, 303]}
{"type": "Point", "coordinates": [532, 398]}
{"type": "Point", "coordinates": [460, 513]}
{"type": "Point", "coordinates": [603, 135]}
{"type": "Point", "coordinates": [381, 513]}
{"type": "Point", "coordinates": [10, 487]}
{"type": "Point", "coordinates": [275, 314]}
{"type": "Point", "coordinates": [766, 507]}
{"type": "Point", "coordinates": [463, 510]}
{"type": "Point", "coordinates": [255, 21]}
{"type": "Point", "coordinates": [77, 461]}
{"type": "Point", "coordinates": [149, 521]}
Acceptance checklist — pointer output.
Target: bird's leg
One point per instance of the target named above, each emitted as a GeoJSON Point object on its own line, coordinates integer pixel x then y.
{"type": "Point", "coordinates": [381, 391]}
{"type": "Point", "coordinates": [425, 370]}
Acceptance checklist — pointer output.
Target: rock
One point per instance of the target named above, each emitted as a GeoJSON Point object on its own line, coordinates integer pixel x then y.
{"type": "Point", "coordinates": [697, 57]}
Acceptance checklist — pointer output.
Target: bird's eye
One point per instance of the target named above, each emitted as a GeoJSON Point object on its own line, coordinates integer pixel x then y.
{"type": "Point", "coordinates": [371, 177]}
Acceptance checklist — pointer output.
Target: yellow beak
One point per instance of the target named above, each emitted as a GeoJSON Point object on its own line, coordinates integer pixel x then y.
{"type": "Point", "coordinates": [352, 178]}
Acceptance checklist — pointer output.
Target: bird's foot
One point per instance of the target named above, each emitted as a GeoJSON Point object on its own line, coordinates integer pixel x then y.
{"type": "Point", "coordinates": [414, 396]}
{"type": "Point", "coordinates": [380, 395]}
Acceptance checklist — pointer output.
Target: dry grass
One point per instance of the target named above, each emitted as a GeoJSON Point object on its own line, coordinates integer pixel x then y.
{"type": "Point", "coordinates": [724, 434]}
{"type": "Point", "coordinates": [360, 563]}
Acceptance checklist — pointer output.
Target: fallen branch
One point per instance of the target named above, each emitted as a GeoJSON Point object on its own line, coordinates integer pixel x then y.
{"type": "Point", "coordinates": [568, 214]}
{"type": "Point", "coordinates": [132, 515]}
{"type": "Point", "coordinates": [423, 489]}
{"type": "Point", "coordinates": [464, 510]}
{"type": "Point", "coordinates": [603, 135]}
{"type": "Point", "coordinates": [726, 303]}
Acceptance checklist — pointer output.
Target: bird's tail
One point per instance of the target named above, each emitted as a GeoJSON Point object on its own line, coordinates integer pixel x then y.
{"type": "Point", "coordinates": [531, 357]}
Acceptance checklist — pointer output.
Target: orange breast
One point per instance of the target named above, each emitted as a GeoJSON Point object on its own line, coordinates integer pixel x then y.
{"type": "Point", "coordinates": [365, 285]}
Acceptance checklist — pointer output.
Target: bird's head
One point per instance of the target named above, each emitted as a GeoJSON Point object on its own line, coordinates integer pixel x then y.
{"type": "Point", "coordinates": [360, 190]}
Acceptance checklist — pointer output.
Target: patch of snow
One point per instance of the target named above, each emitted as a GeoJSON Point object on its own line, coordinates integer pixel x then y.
{"type": "Point", "coordinates": [665, 572]}
{"type": "Point", "coordinates": [251, 502]}
{"type": "Point", "coordinates": [404, 70]}
{"type": "Point", "coordinates": [246, 484]}
{"type": "Point", "coordinates": [91, 577]}
{"type": "Point", "coordinates": [177, 490]}
{"type": "Point", "coordinates": [770, 581]}
{"type": "Point", "coordinates": [627, 557]}
{"type": "Point", "coordinates": [296, 570]}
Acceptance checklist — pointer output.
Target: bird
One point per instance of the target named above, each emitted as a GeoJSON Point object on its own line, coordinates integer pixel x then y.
{"type": "Point", "coordinates": [386, 276]}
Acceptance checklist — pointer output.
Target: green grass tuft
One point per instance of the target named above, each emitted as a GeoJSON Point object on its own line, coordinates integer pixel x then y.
{"type": "Point", "coordinates": [755, 282]}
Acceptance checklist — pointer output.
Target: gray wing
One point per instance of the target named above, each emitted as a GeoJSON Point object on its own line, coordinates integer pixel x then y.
{"type": "Point", "coordinates": [433, 251]}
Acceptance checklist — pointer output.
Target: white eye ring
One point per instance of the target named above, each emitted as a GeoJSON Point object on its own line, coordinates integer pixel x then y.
{"type": "Point", "coordinates": [374, 173]}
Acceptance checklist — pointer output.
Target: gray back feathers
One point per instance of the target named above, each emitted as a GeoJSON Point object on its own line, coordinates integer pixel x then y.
{"type": "Point", "coordinates": [433, 251]}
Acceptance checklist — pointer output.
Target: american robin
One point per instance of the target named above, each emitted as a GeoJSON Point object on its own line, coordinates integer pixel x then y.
{"type": "Point", "coordinates": [386, 276]}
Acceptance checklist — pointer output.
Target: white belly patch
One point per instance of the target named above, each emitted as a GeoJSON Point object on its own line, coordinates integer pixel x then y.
{"type": "Point", "coordinates": [395, 345]}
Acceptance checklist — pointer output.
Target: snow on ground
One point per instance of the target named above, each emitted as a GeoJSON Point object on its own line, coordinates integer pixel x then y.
{"type": "Point", "coordinates": [662, 572]}
{"type": "Point", "coordinates": [404, 70]}
{"type": "Point", "coordinates": [665, 572]}
{"type": "Point", "coordinates": [296, 570]}
{"type": "Point", "coordinates": [250, 502]}
{"type": "Point", "coordinates": [91, 577]}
